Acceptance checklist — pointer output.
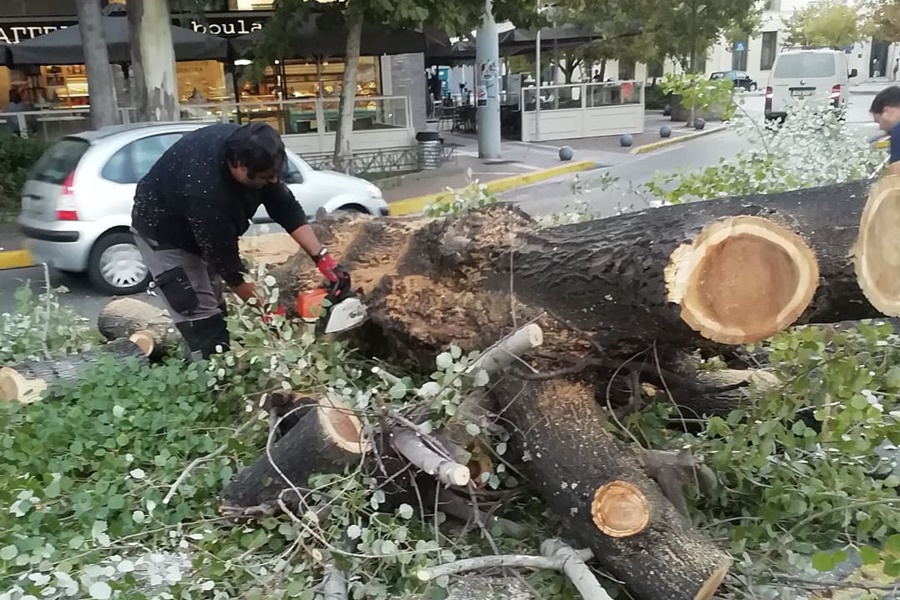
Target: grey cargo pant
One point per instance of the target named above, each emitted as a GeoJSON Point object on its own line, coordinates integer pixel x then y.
{"type": "Point", "coordinates": [193, 293]}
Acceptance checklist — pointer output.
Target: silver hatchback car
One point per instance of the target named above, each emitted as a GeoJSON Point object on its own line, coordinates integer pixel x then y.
{"type": "Point", "coordinates": [76, 204]}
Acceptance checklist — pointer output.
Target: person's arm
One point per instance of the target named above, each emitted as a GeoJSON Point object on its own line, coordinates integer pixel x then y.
{"type": "Point", "coordinates": [287, 212]}
{"type": "Point", "coordinates": [218, 241]}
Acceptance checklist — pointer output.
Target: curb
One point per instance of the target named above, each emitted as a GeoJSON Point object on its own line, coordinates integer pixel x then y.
{"type": "Point", "coordinates": [417, 204]}
{"type": "Point", "coordinates": [676, 140]}
{"type": "Point", "coordinates": [15, 259]}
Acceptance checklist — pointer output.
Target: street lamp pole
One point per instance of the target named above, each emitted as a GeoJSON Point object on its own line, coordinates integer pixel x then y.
{"type": "Point", "coordinates": [537, 80]}
{"type": "Point", "coordinates": [487, 97]}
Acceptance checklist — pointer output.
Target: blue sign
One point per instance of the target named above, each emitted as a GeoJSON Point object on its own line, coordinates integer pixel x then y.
{"type": "Point", "coordinates": [739, 47]}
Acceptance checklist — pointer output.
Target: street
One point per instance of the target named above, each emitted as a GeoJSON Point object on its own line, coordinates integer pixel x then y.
{"type": "Point", "coordinates": [553, 196]}
{"type": "Point", "coordinates": [540, 199]}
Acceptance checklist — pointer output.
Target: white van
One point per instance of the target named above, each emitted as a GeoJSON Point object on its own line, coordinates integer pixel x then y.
{"type": "Point", "coordinates": [820, 75]}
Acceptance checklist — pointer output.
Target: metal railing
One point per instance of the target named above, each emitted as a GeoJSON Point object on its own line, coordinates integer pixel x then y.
{"type": "Point", "coordinates": [307, 116]}
{"type": "Point", "coordinates": [584, 95]}
{"type": "Point", "coordinates": [52, 124]}
{"type": "Point", "coordinates": [304, 116]}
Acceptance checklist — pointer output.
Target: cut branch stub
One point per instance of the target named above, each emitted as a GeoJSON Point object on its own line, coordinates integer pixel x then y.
{"type": "Point", "coordinates": [620, 509]}
{"type": "Point", "coordinates": [743, 279]}
{"type": "Point", "coordinates": [876, 253]}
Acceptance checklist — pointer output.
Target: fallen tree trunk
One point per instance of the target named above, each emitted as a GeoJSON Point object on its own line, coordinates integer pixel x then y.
{"type": "Point", "coordinates": [27, 381]}
{"type": "Point", "coordinates": [151, 327]}
{"type": "Point", "coordinates": [707, 274]}
{"type": "Point", "coordinates": [326, 439]}
{"type": "Point", "coordinates": [598, 486]}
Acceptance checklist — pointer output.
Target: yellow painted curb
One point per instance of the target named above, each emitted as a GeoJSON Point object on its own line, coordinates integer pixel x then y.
{"type": "Point", "coordinates": [417, 204]}
{"type": "Point", "coordinates": [15, 259]}
{"type": "Point", "coordinates": [675, 140]}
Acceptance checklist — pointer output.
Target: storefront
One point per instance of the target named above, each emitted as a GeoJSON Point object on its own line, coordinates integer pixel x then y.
{"type": "Point", "coordinates": [199, 82]}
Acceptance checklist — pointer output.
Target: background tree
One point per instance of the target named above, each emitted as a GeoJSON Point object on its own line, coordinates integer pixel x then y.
{"type": "Point", "coordinates": [687, 30]}
{"type": "Point", "coordinates": [883, 20]}
{"type": "Point", "coordinates": [154, 81]}
{"type": "Point", "coordinates": [453, 17]}
{"type": "Point", "coordinates": [104, 108]}
{"type": "Point", "coordinates": [828, 24]}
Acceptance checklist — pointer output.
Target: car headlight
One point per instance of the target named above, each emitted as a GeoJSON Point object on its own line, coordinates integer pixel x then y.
{"type": "Point", "coordinates": [373, 190]}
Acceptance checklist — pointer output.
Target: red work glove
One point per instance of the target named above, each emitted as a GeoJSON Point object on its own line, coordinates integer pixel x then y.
{"type": "Point", "coordinates": [334, 272]}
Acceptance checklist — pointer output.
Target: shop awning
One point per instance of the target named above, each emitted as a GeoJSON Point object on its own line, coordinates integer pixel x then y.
{"type": "Point", "coordinates": [63, 47]}
{"type": "Point", "coordinates": [323, 35]}
{"type": "Point", "coordinates": [5, 58]}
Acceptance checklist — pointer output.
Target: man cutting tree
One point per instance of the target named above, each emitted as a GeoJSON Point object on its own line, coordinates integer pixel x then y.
{"type": "Point", "coordinates": [191, 208]}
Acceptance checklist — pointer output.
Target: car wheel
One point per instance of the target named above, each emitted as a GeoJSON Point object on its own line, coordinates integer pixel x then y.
{"type": "Point", "coordinates": [354, 208]}
{"type": "Point", "coordinates": [753, 87]}
{"type": "Point", "coordinates": [116, 266]}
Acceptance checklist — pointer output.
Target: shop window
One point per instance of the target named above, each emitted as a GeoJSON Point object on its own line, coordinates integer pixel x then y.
{"type": "Point", "coordinates": [769, 50]}
{"type": "Point", "coordinates": [135, 160]}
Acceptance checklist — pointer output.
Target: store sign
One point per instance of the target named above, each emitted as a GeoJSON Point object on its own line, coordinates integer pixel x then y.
{"type": "Point", "coordinates": [229, 27]}
{"type": "Point", "coordinates": [13, 34]}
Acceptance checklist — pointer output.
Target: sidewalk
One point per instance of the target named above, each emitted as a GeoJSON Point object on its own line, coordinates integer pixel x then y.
{"type": "Point", "coordinates": [524, 158]}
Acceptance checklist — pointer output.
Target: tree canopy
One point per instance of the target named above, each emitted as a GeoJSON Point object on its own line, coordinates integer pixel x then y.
{"type": "Point", "coordinates": [827, 23]}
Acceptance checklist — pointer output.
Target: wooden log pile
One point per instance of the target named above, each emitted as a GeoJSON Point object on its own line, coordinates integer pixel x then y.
{"type": "Point", "coordinates": [582, 322]}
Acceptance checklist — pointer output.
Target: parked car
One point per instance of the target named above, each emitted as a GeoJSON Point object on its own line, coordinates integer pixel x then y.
{"type": "Point", "coordinates": [740, 78]}
{"type": "Point", "coordinates": [76, 204]}
{"type": "Point", "coordinates": [821, 75]}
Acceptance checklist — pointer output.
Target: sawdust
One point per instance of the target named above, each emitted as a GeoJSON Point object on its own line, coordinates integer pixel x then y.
{"type": "Point", "coordinates": [268, 248]}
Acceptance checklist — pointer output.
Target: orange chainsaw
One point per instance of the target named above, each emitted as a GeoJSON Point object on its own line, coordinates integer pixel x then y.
{"type": "Point", "coordinates": [331, 309]}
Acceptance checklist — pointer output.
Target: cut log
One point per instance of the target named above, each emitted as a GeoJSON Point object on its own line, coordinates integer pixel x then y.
{"type": "Point", "coordinates": [26, 382]}
{"type": "Point", "coordinates": [583, 472]}
{"type": "Point", "coordinates": [706, 274]}
{"type": "Point", "coordinates": [876, 253]}
{"type": "Point", "coordinates": [327, 439]}
{"type": "Point", "coordinates": [151, 326]}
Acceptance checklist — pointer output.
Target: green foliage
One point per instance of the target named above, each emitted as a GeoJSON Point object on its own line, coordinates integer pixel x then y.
{"type": "Point", "coordinates": [85, 473]}
{"type": "Point", "coordinates": [793, 486]}
{"type": "Point", "coordinates": [813, 147]}
{"type": "Point", "coordinates": [17, 156]}
{"type": "Point", "coordinates": [40, 323]}
{"type": "Point", "coordinates": [472, 196]}
{"type": "Point", "coordinates": [699, 93]}
{"type": "Point", "coordinates": [824, 24]}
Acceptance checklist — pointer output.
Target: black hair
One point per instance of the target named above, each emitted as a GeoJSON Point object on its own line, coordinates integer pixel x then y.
{"type": "Point", "coordinates": [14, 96]}
{"type": "Point", "coordinates": [888, 97]}
{"type": "Point", "coordinates": [256, 146]}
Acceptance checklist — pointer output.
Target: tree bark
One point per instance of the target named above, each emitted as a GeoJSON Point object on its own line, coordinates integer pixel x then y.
{"type": "Point", "coordinates": [326, 439]}
{"type": "Point", "coordinates": [125, 317]}
{"type": "Point", "coordinates": [104, 108]}
{"type": "Point", "coordinates": [707, 275]}
{"type": "Point", "coordinates": [598, 486]}
{"type": "Point", "coordinates": [153, 58]}
{"type": "Point", "coordinates": [343, 149]}
{"type": "Point", "coordinates": [25, 382]}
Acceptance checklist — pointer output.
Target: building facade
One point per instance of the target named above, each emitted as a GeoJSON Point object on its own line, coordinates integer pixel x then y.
{"type": "Point", "coordinates": [65, 86]}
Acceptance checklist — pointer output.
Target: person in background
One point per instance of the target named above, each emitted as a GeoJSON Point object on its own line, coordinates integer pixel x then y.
{"type": "Point", "coordinates": [16, 105]}
{"type": "Point", "coordinates": [885, 111]}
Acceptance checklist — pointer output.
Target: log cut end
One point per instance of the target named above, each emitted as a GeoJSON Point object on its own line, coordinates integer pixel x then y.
{"type": "Point", "coordinates": [341, 426]}
{"type": "Point", "coordinates": [145, 341]}
{"type": "Point", "coordinates": [712, 584]}
{"type": "Point", "coordinates": [742, 280]}
{"type": "Point", "coordinates": [620, 509]}
{"type": "Point", "coordinates": [16, 388]}
{"type": "Point", "coordinates": [877, 249]}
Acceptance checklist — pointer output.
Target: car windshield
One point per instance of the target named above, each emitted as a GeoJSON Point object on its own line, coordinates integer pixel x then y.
{"type": "Point", "coordinates": [805, 65]}
{"type": "Point", "coordinates": [59, 161]}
